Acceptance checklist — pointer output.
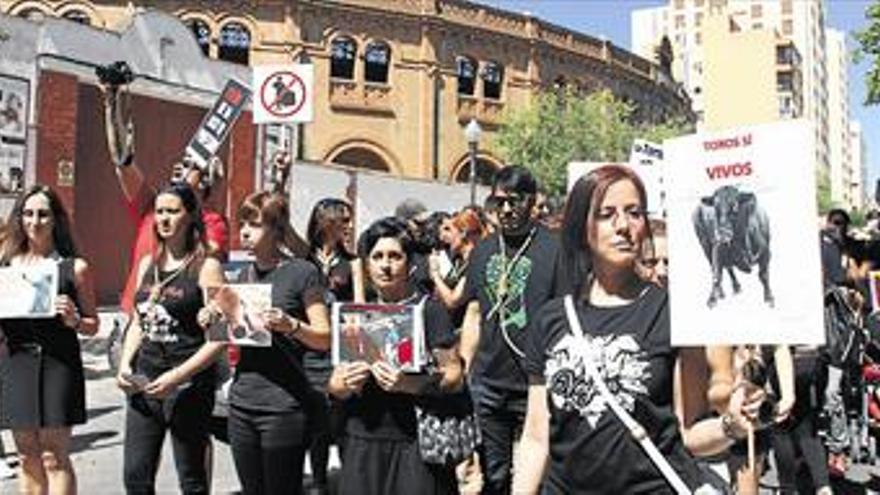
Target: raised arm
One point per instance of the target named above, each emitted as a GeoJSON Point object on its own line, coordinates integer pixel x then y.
{"type": "Point", "coordinates": [120, 144]}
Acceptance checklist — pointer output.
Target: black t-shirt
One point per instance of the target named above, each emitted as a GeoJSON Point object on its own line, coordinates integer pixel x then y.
{"type": "Point", "coordinates": [171, 331]}
{"type": "Point", "coordinates": [273, 379]}
{"type": "Point", "coordinates": [832, 251]}
{"type": "Point", "coordinates": [530, 284]}
{"type": "Point", "coordinates": [378, 414]}
{"type": "Point", "coordinates": [591, 451]}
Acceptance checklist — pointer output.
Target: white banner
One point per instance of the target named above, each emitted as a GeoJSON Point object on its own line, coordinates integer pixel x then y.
{"type": "Point", "coordinates": [743, 241]}
{"type": "Point", "coordinates": [283, 93]}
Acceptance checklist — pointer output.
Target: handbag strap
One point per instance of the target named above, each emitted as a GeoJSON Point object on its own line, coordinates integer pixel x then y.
{"type": "Point", "coordinates": [635, 429]}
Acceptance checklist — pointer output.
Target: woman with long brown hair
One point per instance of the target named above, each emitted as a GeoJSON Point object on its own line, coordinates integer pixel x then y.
{"type": "Point", "coordinates": [167, 366]}
{"type": "Point", "coordinates": [43, 386]}
{"type": "Point", "coordinates": [604, 381]}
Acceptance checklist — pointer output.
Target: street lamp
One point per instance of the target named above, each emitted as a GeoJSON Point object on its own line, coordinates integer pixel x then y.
{"type": "Point", "coordinates": [472, 135]}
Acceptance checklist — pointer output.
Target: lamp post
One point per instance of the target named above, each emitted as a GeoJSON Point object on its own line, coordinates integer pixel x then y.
{"type": "Point", "coordinates": [472, 135]}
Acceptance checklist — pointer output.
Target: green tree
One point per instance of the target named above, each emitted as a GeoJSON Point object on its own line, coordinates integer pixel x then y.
{"type": "Point", "coordinates": [869, 47]}
{"type": "Point", "coordinates": [563, 126]}
{"type": "Point", "coordinates": [823, 191]}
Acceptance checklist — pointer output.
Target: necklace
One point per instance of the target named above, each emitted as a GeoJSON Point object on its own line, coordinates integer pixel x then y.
{"type": "Point", "coordinates": [509, 265]}
{"type": "Point", "coordinates": [160, 283]}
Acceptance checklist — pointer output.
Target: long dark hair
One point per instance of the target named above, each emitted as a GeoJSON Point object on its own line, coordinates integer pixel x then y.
{"type": "Point", "coordinates": [273, 211]}
{"type": "Point", "coordinates": [575, 265]}
{"type": "Point", "coordinates": [14, 240]}
{"type": "Point", "coordinates": [195, 234]}
{"type": "Point", "coordinates": [326, 214]}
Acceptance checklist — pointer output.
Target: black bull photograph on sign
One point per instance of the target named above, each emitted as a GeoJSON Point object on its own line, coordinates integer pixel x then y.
{"type": "Point", "coordinates": [734, 232]}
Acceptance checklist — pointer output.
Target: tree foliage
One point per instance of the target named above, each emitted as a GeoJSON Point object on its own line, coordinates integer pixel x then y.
{"type": "Point", "coordinates": [869, 47]}
{"type": "Point", "coordinates": [563, 126]}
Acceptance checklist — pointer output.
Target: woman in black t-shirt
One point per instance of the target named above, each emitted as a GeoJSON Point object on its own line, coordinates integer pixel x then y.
{"type": "Point", "coordinates": [166, 365]}
{"type": "Point", "coordinates": [625, 324]}
{"type": "Point", "coordinates": [330, 230]}
{"type": "Point", "coordinates": [381, 452]}
{"type": "Point", "coordinates": [271, 398]}
{"type": "Point", "coordinates": [41, 375]}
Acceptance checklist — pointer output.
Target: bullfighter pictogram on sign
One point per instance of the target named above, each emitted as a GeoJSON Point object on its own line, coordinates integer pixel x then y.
{"type": "Point", "coordinates": [285, 93]}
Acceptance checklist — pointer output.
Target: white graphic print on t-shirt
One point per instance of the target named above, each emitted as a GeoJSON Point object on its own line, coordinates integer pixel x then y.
{"type": "Point", "coordinates": [619, 361]}
{"type": "Point", "coordinates": [157, 323]}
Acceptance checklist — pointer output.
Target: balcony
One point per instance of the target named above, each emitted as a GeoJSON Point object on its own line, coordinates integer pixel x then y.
{"type": "Point", "coordinates": [486, 111]}
{"type": "Point", "coordinates": [354, 96]}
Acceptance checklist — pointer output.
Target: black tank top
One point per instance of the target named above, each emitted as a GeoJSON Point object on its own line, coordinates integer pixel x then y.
{"type": "Point", "coordinates": [171, 331]}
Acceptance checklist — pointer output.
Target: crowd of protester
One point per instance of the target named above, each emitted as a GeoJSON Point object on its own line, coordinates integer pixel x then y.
{"type": "Point", "coordinates": [548, 332]}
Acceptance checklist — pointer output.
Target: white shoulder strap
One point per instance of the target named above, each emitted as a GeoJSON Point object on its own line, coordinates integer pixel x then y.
{"type": "Point", "coordinates": [635, 429]}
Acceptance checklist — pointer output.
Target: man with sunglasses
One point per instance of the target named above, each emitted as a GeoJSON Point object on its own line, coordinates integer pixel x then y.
{"type": "Point", "coordinates": [511, 275]}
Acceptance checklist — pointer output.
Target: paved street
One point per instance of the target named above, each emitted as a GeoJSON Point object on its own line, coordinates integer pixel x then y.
{"type": "Point", "coordinates": [97, 446]}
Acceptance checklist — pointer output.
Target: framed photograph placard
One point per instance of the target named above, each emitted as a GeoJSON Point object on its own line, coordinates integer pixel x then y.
{"type": "Point", "coordinates": [241, 322]}
{"type": "Point", "coordinates": [394, 333]}
{"type": "Point", "coordinates": [28, 291]}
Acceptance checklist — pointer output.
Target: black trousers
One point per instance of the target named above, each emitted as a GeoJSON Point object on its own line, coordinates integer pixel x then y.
{"type": "Point", "coordinates": [268, 449]}
{"type": "Point", "coordinates": [500, 414]}
{"type": "Point", "coordinates": [798, 436]}
{"type": "Point", "coordinates": [186, 414]}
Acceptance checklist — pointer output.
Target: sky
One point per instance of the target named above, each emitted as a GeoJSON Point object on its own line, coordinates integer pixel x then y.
{"type": "Point", "coordinates": [611, 19]}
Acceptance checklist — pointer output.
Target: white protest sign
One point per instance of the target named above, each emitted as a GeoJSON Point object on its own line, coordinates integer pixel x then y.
{"type": "Point", "coordinates": [650, 177]}
{"type": "Point", "coordinates": [743, 245]}
{"type": "Point", "coordinates": [28, 291]}
{"type": "Point", "coordinates": [283, 93]}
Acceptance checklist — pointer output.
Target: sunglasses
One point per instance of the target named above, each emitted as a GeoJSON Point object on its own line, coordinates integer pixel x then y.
{"type": "Point", "coordinates": [511, 200]}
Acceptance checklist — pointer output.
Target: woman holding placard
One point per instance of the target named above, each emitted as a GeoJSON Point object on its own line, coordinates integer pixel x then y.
{"type": "Point", "coordinates": [381, 452]}
{"type": "Point", "coordinates": [604, 379]}
{"type": "Point", "coordinates": [166, 365]}
{"type": "Point", "coordinates": [43, 386]}
{"type": "Point", "coordinates": [271, 399]}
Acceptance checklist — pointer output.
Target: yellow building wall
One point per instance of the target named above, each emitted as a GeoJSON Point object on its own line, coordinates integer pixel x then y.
{"type": "Point", "coordinates": [739, 82]}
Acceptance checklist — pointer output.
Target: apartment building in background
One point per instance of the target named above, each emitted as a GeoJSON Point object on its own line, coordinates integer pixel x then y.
{"type": "Point", "coordinates": [688, 24]}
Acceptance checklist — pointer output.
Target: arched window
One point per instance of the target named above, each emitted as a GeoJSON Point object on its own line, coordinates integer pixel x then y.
{"type": "Point", "coordinates": [376, 60]}
{"type": "Point", "coordinates": [485, 172]}
{"type": "Point", "coordinates": [493, 79]}
{"type": "Point", "coordinates": [362, 158]}
{"type": "Point", "coordinates": [466, 70]}
{"type": "Point", "coordinates": [77, 16]}
{"type": "Point", "coordinates": [202, 33]}
{"type": "Point", "coordinates": [235, 43]}
{"type": "Point", "coordinates": [32, 14]}
{"type": "Point", "coordinates": [342, 51]}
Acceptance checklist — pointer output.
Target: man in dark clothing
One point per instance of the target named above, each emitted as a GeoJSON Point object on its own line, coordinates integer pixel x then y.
{"type": "Point", "coordinates": [511, 276]}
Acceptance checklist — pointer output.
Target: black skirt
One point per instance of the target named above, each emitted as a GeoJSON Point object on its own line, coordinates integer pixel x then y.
{"type": "Point", "coordinates": [387, 467]}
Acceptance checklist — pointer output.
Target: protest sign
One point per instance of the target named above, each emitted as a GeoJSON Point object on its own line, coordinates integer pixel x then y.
{"type": "Point", "coordinates": [218, 122]}
{"type": "Point", "coordinates": [393, 333]}
{"type": "Point", "coordinates": [28, 291]}
{"type": "Point", "coordinates": [241, 306]}
{"type": "Point", "coordinates": [743, 244]}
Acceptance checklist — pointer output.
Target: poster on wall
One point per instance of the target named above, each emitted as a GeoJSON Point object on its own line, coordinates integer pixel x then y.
{"type": "Point", "coordinates": [743, 244]}
{"type": "Point", "coordinates": [14, 104]}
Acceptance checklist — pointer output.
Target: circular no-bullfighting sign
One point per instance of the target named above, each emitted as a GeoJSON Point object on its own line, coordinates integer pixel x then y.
{"type": "Point", "coordinates": [283, 94]}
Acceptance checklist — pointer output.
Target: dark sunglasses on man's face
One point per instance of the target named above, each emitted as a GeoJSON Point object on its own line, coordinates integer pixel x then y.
{"type": "Point", "coordinates": [511, 200]}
